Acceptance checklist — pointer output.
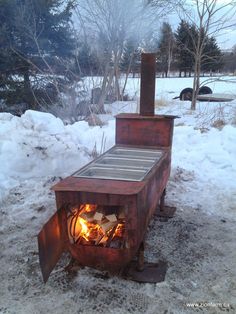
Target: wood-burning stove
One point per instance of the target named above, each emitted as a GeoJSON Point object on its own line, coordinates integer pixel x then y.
{"type": "Point", "coordinates": [103, 209]}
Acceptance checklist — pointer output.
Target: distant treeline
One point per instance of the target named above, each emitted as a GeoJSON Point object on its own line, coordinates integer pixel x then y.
{"type": "Point", "coordinates": [41, 55]}
{"type": "Point", "coordinates": [175, 53]}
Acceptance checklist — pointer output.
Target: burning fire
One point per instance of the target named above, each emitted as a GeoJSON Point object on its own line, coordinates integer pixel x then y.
{"type": "Point", "coordinates": [87, 225]}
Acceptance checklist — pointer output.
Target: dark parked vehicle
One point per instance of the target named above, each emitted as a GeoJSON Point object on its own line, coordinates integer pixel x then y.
{"type": "Point", "coordinates": [187, 93]}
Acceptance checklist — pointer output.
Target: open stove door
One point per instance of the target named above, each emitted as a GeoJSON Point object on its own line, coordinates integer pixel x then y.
{"type": "Point", "coordinates": [51, 244]}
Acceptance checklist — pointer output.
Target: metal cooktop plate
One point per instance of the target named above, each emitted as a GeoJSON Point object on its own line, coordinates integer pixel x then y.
{"type": "Point", "coordinates": [122, 163]}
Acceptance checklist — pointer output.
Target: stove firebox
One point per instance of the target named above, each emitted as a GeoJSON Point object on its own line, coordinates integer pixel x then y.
{"type": "Point", "coordinates": [103, 209]}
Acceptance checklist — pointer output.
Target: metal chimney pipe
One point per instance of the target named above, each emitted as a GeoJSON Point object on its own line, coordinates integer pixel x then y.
{"type": "Point", "coordinates": [147, 89]}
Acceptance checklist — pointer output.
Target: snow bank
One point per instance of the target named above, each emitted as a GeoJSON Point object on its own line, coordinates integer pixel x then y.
{"type": "Point", "coordinates": [42, 122]}
{"type": "Point", "coordinates": [38, 144]}
{"type": "Point", "coordinates": [209, 164]}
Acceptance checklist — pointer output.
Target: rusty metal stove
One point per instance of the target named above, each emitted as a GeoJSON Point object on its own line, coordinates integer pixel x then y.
{"type": "Point", "coordinates": [119, 190]}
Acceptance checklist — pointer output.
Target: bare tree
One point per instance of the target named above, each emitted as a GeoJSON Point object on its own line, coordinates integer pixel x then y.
{"type": "Point", "coordinates": [109, 24]}
{"type": "Point", "coordinates": [210, 17]}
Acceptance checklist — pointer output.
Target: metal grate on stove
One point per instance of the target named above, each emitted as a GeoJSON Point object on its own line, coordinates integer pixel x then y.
{"type": "Point", "coordinates": [122, 163]}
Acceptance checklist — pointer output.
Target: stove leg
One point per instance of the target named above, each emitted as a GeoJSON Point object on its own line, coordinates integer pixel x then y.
{"type": "Point", "coordinates": [73, 266]}
{"type": "Point", "coordinates": [163, 210]}
{"type": "Point", "coordinates": [145, 272]}
{"type": "Point", "coordinates": [162, 201]}
{"type": "Point", "coordinates": [140, 262]}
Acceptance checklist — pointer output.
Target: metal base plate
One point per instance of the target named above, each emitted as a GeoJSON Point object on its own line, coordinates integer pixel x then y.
{"type": "Point", "coordinates": [168, 212]}
{"type": "Point", "coordinates": [152, 273]}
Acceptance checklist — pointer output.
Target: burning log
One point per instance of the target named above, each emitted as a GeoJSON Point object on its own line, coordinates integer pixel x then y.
{"type": "Point", "coordinates": [107, 226]}
{"type": "Point", "coordinates": [99, 239]}
{"type": "Point", "coordinates": [103, 240]}
{"type": "Point", "coordinates": [94, 228]}
{"type": "Point", "coordinates": [111, 218]}
{"type": "Point", "coordinates": [111, 235]}
{"type": "Point", "coordinates": [98, 216]}
{"type": "Point", "coordinates": [88, 216]}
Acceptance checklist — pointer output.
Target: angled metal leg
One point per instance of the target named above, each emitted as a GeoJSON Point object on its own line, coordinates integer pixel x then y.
{"type": "Point", "coordinates": [145, 272]}
{"type": "Point", "coordinates": [73, 266]}
{"type": "Point", "coordinates": [163, 210]}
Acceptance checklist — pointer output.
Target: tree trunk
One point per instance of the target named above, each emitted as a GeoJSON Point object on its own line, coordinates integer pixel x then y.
{"type": "Point", "coordinates": [103, 90]}
{"type": "Point", "coordinates": [196, 82]}
{"type": "Point", "coordinates": [117, 84]}
{"type": "Point", "coordinates": [169, 61]}
{"type": "Point", "coordinates": [117, 75]}
{"type": "Point", "coordinates": [106, 85]}
{"type": "Point", "coordinates": [127, 75]}
{"type": "Point", "coordinates": [28, 95]}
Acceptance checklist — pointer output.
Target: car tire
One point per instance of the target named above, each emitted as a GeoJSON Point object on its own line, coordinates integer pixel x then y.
{"type": "Point", "coordinates": [204, 90]}
{"type": "Point", "coordinates": [186, 94]}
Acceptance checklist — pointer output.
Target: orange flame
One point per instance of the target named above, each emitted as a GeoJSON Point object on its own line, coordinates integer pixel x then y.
{"type": "Point", "coordinates": [119, 230]}
{"type": "Point", "coordinates": [89, 207]}
{"type": "Point", "coordinates": [80, 228]}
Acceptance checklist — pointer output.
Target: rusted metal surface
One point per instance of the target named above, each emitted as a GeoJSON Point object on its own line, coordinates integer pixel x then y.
{"type": "Point", "coordinates": [155, 131]}
{"type": "Point", "coordinates": [147, 90]}
{"type": "Point", "coordinates": [98, 186]}
{"type": "Point", "coordinates": [148, 198]}
{"type": "Point", "coordinates": [112, 260]}
{"type": "Point", "coordinates": [51, 244]}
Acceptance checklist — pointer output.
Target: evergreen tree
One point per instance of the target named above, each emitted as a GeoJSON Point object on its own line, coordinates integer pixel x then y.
{"type": "Point", "coordinates": [88, 62]}
{"type": "Point", "coordinates": [130, 57]}
{"type": "Point", "coordinates": [184, 42]}
{"type": "Point", "coordinates": [212, 57]}
{"type": "Point", "coordinates": [35, 34]}
{"type": "Point", "coordinates": [166, 48]}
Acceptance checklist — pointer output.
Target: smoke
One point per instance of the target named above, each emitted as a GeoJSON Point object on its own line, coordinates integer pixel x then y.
{"type": "Point", "coordinates": [112, 22]}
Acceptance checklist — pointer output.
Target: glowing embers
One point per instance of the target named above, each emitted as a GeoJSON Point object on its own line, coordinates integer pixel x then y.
{"type": "Point", "coordinates": [90, 224]}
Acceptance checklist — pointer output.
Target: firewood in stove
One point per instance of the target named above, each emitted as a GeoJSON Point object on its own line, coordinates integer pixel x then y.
{"type": "Point", "coordinates": [98, 216]}
{"type": "Point", "coordinates": [111, 234]}
{"type": "Point", "coordinates": [99, 239]}
{"type": "Point", "coordinates": [82, 241]}
{"type": "Point", "coordinates": [106, 226]}
{"type": "Point", "coordinates": [103, 240]}
{"type": "Point", "coordinates": [88, 216]}
{"type": "Point", "coordinates": [111, 218]}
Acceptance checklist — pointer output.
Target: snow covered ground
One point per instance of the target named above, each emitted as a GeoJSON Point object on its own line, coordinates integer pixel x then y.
{"type": "Point", "coordinates": [198, 243]}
